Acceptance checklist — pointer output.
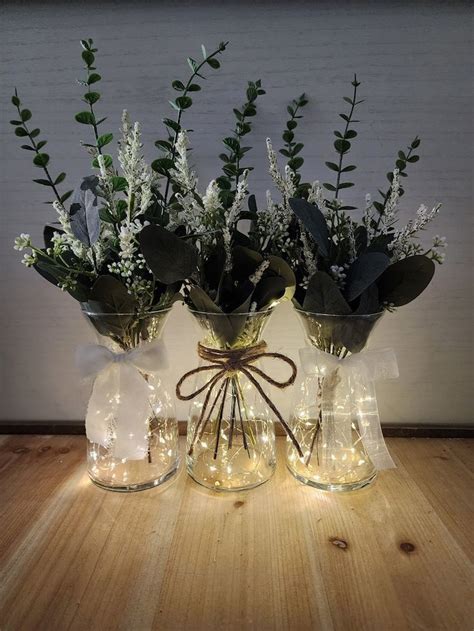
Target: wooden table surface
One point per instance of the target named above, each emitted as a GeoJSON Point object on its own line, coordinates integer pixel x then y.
{"type": "Point", "coordinates": [284, 556]}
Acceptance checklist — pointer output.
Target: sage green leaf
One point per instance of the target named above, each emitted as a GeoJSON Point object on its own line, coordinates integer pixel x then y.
{"type": "Point", "coordinates": [92, 97]}
{"type": "Point", "coordinates": [93, 78]}
{"type": "Point", "coordinates": [169, 257]}
{"type": "Point", "coordinates": [107, 161]}
{"type": "Point", "coordinates": [363, 272]}
{"type": "Point", "coordinates": [85, 118]}
{"type": "Point", "coordinates": [405, 280]}
{"type": "Point", "coordinates": [314, 222]}
{"type": "Point", "coordinates": [105, 139]}
{"type": "Point", "coordinates": [324, 296]}
{"type": "Point", "coordinates": [119, 183]}
{"type": "Point", "coordinates": [41, 159]}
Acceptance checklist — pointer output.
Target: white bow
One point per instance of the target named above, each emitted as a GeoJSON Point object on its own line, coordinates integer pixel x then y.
{"type": "Point", "coordinates": [354, 378]}
{"type": "Point", "coordinates": [120, 405]}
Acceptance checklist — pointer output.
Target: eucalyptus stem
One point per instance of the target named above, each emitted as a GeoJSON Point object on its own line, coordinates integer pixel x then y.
{"type": "Point", "coordinates": [348, 122]}
{"type": "Point", "coordinates": [209, 60]}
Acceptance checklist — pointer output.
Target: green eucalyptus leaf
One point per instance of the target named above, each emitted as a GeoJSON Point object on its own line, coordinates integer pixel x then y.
{"type": "Point", "coordinates": [88, 57]}
{"type": "Point", "coordinates": [41, 159]}
{"type": "Point", "coordinates": [405, 280]}
{"type": "Point", "coordinates": [314, 222]}
{"type": "Point", "coordinates": [183, 102]}
{"type": "Point", "coordinates": [169, 257]}
{"type": "Point", "coordinates": [105, 139]}
{"type": "Point", "coordinates": [369, 301]}
{"type": "Point", "coordinates": [363, 272]}
{"type": "Point", "coordinates": [107, 162]}
{"type": "Point", "coordinates": [85, 118]}
{"type": "Point", "coordinates": [119, 183]}
{"type": "Point", "coordinates": [268, 291]}
{"type": "Point", "coordinates": [281, 268]}
{"type": "Point", "coordinates": [93, 78]}
{"type": "Point", "coordinates": [341, 145]}
{"type": "Point", "coordinates": [324, 296]}
{"type": "Point", "coordinates": [92, 97]}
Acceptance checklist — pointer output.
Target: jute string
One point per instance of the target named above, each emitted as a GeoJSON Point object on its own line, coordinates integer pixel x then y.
{"type": "Point", "coordinates": [228, 363]}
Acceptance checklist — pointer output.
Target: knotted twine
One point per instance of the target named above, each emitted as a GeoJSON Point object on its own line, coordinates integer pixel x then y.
{"type": "Point", "coordinates": [229, 363]}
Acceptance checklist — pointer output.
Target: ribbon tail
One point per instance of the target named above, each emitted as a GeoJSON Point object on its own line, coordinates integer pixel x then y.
{"type": "Point", "coordinates": [134, 410]}
{"type": "Point", "coordinates": [101, 409]}
{"type": "Point", "coordinates": [336, 425]}
{"type": "Point", "coordinates": [367, 412]}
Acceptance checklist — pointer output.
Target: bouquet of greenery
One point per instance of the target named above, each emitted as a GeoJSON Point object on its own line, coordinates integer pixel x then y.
{"type": "Point", "coordinates": [232, 280]}
{"type": "Point", "coordinates": [346, 261]}
{"type": "Point", "coordinates": [93, 249]}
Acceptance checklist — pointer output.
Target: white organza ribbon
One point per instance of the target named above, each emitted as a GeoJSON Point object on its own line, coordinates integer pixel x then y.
{"type": "Point", "coordinates": [119, 406]}
{"type": "Point", "coordinates": [348, 388]}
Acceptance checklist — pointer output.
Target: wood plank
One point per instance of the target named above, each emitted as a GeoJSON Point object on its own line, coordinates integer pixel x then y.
{"type": "Point", "coordinates": [394, 556]}
{"type": "Point", "coordinates": [453, 499]}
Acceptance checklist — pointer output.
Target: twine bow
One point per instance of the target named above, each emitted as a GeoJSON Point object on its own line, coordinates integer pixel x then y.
{"type": "Point", "coordinates": [228, 363]}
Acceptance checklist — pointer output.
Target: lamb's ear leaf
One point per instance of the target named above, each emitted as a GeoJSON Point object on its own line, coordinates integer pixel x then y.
{"type": "Point", "coordinates": [324, 296]}
{"type": "Point", "coordinates": [363, 272]}
{"type": "Point", "coordinates": [405, 280]}
{"type": "Point", "coordinates": [314, 221]}
{"type": "Point", "coordinates": [282, 269]}
{"type": "Point", "coordinates": [169, 257]}
{"type": "Point", "coordinates": [84, 211]}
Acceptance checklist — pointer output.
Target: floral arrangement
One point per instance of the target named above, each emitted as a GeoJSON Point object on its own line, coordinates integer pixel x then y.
{"type": "Point", "coordinates": [129, 235]}
{"type": "Point", "coordinates": [345, 261]}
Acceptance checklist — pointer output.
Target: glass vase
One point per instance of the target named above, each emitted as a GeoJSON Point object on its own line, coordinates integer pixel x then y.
{"type": "Point", "coordinates": [131, 401]}
{"type": "Point", "coordinates": [323, 419]}
{"type": "Point", "coordinates": [231, 435]}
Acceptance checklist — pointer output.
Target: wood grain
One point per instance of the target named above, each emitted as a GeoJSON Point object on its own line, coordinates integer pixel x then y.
{"type": "Point", "coordinates": [395, 556]}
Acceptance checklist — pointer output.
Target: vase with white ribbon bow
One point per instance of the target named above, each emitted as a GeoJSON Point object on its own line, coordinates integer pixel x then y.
{"type": "Point", "coordinates": [131, 423]}
{"type": "Point", "coordinates": [335, 416]}
{"type": "Point", "coordinates": [231, 434]}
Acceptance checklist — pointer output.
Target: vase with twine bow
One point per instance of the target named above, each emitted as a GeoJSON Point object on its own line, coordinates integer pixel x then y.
{"type": "Point", "coordinates": [131, 424]}
{"type": "Point", "coordinates": [335, 416]}
{"type": "Point", "coordinates": [231, 435]}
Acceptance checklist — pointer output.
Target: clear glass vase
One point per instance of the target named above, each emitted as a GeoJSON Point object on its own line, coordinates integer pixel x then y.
{"type": "Point", "coordinates": [139, 448]}
{"type": "Point", "coordinates": [231, 435]}
{"type": "Point", "coordinates": [323, 419]}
